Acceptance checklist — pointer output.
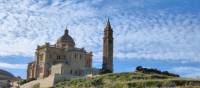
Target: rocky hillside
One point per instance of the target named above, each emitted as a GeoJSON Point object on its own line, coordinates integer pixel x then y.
{"type": "Point", "coordinates": [136, 79]}
{"type": "Point", "coordinates": [5, 77]}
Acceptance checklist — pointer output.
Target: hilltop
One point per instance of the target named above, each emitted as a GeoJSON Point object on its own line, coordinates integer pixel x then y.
{"type": "Point", "coordinates": [5, 77]}
{"type": "Point", "coordinates": [137, 79]}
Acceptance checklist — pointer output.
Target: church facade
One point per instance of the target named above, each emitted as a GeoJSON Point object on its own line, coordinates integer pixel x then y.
{"type": "Point", "coordinates": [64, 58]}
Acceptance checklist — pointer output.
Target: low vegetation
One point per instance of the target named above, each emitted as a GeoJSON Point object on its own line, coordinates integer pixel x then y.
{"type": "Point", "coordinates": [141, 78]}
{"type": "Point", "coordinates": [128, 80]}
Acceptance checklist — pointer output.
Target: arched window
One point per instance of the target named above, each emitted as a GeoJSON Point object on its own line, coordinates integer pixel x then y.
{"type": "Point", "coordinates": [41, 70]}
{"type": "Point", "coordinates": [58, 57]}
{"type": "Point", "coordinates": [76, 72]}
{"type": "Point", "coordinates": [75, 55]}
{"type": "Point", "coordinates": [41, 56]}
{"type": "Point", "coordinates": [70, 71]}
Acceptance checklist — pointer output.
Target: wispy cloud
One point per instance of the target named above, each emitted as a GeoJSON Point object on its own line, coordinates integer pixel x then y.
{"type": "Point", "coordinates": [162, 30]}
{"type": "Point", "coordinates": [24, 24]}
{"type": "Point", "coordinates": [165, 36]}
{"type": "Point", "coordinates": [138, 33]}
{"type": "Point", "coordinates": [12, 66]}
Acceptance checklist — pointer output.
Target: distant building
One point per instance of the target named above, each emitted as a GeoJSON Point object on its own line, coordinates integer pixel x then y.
{"type": "Point", "coordinates": [64, 60]}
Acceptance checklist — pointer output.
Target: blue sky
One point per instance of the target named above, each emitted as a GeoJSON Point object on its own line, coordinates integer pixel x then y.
{"type": "Point", "coordinates": [163, 34]}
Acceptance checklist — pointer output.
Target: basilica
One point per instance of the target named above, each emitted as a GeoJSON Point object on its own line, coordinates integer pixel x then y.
{"type": "Point", "coordinates": [66, 60]}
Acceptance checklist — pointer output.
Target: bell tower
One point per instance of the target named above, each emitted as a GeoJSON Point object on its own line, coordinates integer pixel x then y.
{"type": "Point", "coordinates": [108, 49]}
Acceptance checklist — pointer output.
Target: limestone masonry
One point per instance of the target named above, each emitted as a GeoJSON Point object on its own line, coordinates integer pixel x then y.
{"type": "Point", "coordinates": [66, 60]}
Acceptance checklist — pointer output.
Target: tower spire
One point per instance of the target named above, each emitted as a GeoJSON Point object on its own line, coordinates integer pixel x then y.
{"type": "Point", "coordinates": [107, 66]}
{"type": "Point", "coordinates": [108, 26]}
{"type": "Point", "coordinates": [66, 31]}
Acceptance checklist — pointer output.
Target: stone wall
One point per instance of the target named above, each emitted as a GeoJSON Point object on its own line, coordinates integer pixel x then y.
{"type": "Point", "coordinates": [44, 83]}
{"type": "Point", "coordinates": [48, 81]}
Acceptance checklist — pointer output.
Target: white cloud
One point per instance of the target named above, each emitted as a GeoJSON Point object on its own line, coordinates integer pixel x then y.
{"type": "Point", "coordinates": [156, 35]}
{"type": "Point", "coordinates": [29, 23]}
{"type": "Point", "coordinates": [159, 37]}
{"type": "Point", "coordinates": [12, 66]}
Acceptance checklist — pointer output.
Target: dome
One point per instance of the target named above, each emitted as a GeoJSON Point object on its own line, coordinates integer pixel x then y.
{"type": "Point", "coordinates": [65, 41]}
